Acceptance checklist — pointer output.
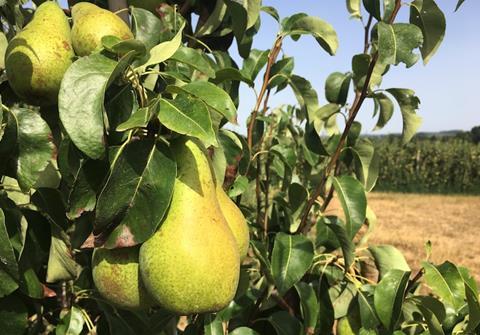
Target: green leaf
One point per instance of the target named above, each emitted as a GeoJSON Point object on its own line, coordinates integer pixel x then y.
{"type": "Point", "coordinates": [71, 323]}
{"type": "Point", "coordinates": [446, 282]}
{"type": "Point", "coordinates": [353, 7]}
{"type": "Point", "coordinates": [309, 305]}
{"type": "Point", "coordinates": [408, 103]}
{"type": "Point", "coordinates": [261, 254]}
{"type": "Point", "coordinates": [139, 118]}
{"type": "Point", "coordinates": [243, 331]}
{"type": "Point", "coordinates": [360, 67]}
{"type": "Point", "coordinates": [13, 315]}
{"type": "Point", "coordinates": [385, 105]}
{"type": "Point", "coordinates": [408, 38]}
{"type": "Point", "coordinates": [306, 96]}
{"type": "Point", "coordinates": [284, 323]}
{"type": "Point", "coordinates": [118, 46]}
{"type": "Point", "coordinates": [8, 266]}
{"type": "Point", "coordinates": [351, 194]}
{"type": "Point", "coordinates": [389, 295]}
{"type": "Point", "coordinates": [137, 193]}
{"type": "Point", "coordinates": [367, 163]}
{"type": "Point", "coordinates": [473, 308]}
{"type": "Point", "coordinates": [146, 27]}
{"type": "Point", "coordinates": [280, 72]}
{"type": "Point", "coordinates": [214, 20]}
{"type": "Point", "coordinates": [239, 186]}
{"type": "Point", "coordinates": [254, 63]}
{"type": "Point", "coordinates": [193, 58]}
{"type": "Point", "coordinates": [342, 296]}
{"type": "Point", "coordinates": [230, 74]}
{"type": "Point", "coordinates": [433, 312]}
{"type": "Point", "coordinates": [3, 48]}
{"type": "Point", "coordinates": [272, 12]}
{"type": "Point", "coordinates": [386, 258]}
{"type": "Point", "coordinates": [373, 8]}
{"type": "Point", "coordinates": [459, 4]}
{"type": "Point", "coordinates": [388, 8]}
{"type": "Point", "coordinates": [348, 248]}
{"type": "Point", "coordinates": [292, 255]}
{"type": "Point", "coordinates": [426, 15]}
{"type": "Point", "coordinates": [189, 116]}
{"type": "Point", "coordinates": [163, 51]}
{"type": "Point", "coordinates": [81, 97]}
{"type": "Point", "coordinates": [213, 96]}
{"type": "Point", "coordinates": [368, 316]}
{"type": "Point", "coordinates": [244, 14]}
{"type": "Point", "coordinates": [35, 146]}
{"type": "Point", "coordinates": [387, 44]}
{"type": "Point", "coordinates": [321, 30]}
{"type": "Point", "coordinates": [61, 265]}
{"type": "Point", "coordinates": [336, 87]}
{"type": "Point", "coordinates": [213, 325]}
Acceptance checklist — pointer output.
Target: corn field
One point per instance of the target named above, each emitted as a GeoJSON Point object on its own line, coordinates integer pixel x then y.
{"type": "Point", "coordinates": [429, 165]}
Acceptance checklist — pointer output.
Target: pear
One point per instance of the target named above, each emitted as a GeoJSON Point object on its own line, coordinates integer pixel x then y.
{"type": "Point", "coordinates": [91, 23]}
{"type": "Point", "coordinates": [191, 264]}
{"type": "Point", "coordinates": [236, 221]}
{"type": "Point", "coordinates": [38, 56]}
{"type": "Point", "coordinates": [116, 276]}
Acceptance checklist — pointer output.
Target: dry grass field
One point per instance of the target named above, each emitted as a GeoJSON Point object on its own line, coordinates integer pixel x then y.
{"type": "Point", "coordinates": [450, 222]}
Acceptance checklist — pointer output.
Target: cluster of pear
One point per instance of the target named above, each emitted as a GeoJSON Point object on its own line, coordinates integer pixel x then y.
{"type": "Point", "coordinates": [37, 57]}
{"type": "Point", "coordinates": [192, 263]}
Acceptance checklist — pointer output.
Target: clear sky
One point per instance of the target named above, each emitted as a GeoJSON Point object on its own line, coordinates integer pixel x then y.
{"type": "Point", "coordinates": [447, 85]}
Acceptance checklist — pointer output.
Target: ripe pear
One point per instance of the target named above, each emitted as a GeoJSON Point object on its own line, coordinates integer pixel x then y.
{"type": "Point", "coordinates": [116, 276]}
{"type": "Point", "coordinates": [191, 264]}
{"type": "Point", "coordinates": [38, 56]}
{"type": "Point", "coordinates": [91, 23]}
{"type": "Point", "coordinates": [236, 221]}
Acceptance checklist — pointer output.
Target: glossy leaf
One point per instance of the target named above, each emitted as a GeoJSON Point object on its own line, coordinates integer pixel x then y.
{"type": "Point", "coordinates": [146, 27]}
{"type": "Point", "coordinates": [336, 87]}
{"type": "Point", "coordinates": [473, 308]}
{"type": "Point", "coordinates": [408, 103]}
{"type": "Point", "coordinates": [214, 20]}
{"type": "Point", "coordinates": [284, 323]}
{"type": "Point", "coordinates": [433, 312]}
{"type": "Point", "coordinates": [373, 8]}
{"type": "Point", "coordinates": [188, 115]}
{"type": "Point", "coordinates": [353, 7]}
{"type": "Point", "coordinates": [8, 266]}
{"type": "Point", "coordinates": [385, 107]}
{"type": "Point", "coordinates": [213, 96]}
{"type": "Point", "coordinates": [387, 44]}
{"type": "Point", "coordinates": [386, 258]}
{"type": "Point", "coordinates": [280, 72]}
{"type": "Point", "coordinates": [346, 244]}
{"type": "Point", "coordinates": [254, 63]}
{"type": "Point", "coordinates": [426, 15]}
{"type": "Point", "coordinates": [351, 194]}
{"type": "Point", "coordinates": [292, 255]}
{"type": "Point", "coordinates": [306, 96]}
{"type": "Point", "coordinates": [408, 38]}
{"type": "Point", "coordinates": [272, 12]}
{"type": "Point", "coordinates": [137, 193]}
{"type": "Point", "coordinates": [389, 296]}
{"type": "Point", "coordinates": [35, 146]}
{"type": "Point", "coordinates": [193, 58]}
{"type": "Point", "coordinates": [213, 325]}
{"type": "Point", "coordinates": [231, 74]}
{"type": "Point", "coordinates": [309, 305]}
{"type": "Point", "coordinates": [72, 323]}
{"type": "Point", "coordinates": [239, 186]}
{"type": "Point", "coordinates": [366, 163]}
{"type": "Point", "coordinates": [61, 265]}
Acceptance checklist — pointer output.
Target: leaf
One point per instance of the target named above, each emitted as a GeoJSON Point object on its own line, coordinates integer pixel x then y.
{"type": "Point", "coordinates": [373, 8]}
{"type": "Point", "coordinates": [3, 48]}
{"type": "Point", "coordinates": [336, 87]}
{"type": "Point", "coordinates": [72, 323]}
{"type": "Point", "coordinates": [387, 44]}
{"type": "Point", "coordinates": [81, 97]}
{"type": "Point", "coordinates": [367, 163]}
{"type": "Point", "coordinates": [321, 30]}
{"type": "Point", "coordinates": [408, 103]}
{"type": "Point", "coordinates": [239, 186]}
{"type": "Point", "coordinates": [9, 275]}
{"type": "Point", "coordinates": [388, 8]}
{"type": "Point", "coordinates": [354, 202]}
{"type": "Point", "coordinates": [386, 258]}
{"type": "Point", "coordinates": [280, 72]}
{"type": "Point", "coordinates": [272, 12]}
{"type": "Point", "coordinates": [368, 316]}
{"type": "Point", "coordinates": [348, 248]}
{"type": "Point", "coordinates": [214, 20]}
{"type": "Point", "coordinates": [284, 323]}
{"type": "Point", "coordinates": [230, 74]}
{"type": "Point", "coordinates": [459, 4]}
{"type": "Point", "coordinates": [306, 96]}
{"type": "Point", "coordinates": [353, 7]}
{"type": "Point", "coordinates": [473, 308]}
{"type": "Point", "coordinates": [146, 26]}
{"type": "Point", "coordinates": [433, 312]}
{"type": "Point", "coordinates": [446, 282]}
{"type": "Point", "coordinates": [244, 14]}
{"type": "Point", "coordinates": [213, 325]}
{"type": "Point", "coordinates": [408, 38]}
{"type": "Point", "coordinates": [426, 15]}
{"type": "Point", "coordinates": [309, 305]}
{"type": "Point", "coordinates": [292, 255]}
{"type": "Point", "coordinates": [389, 296]}
{"type": "Point", "coordinates": [13, 315]}
{"type": "Point", "coordinates": [61, 265]}
{"type": "Point", "coordinates": [243, 331]}
{"type": "Point", "coordinates": [385, 105]}
{"type": "Point", "coordinates": [35, 146]}
{"type": "Point", "coordinates": [163, 51]}
{"type": "Point", "coordinates": [360, 68]}
{"type": "Point", "coordinates": [254, 63]}
{"type": "Point", "coordinates": [193, 58]}
{"type": "Point", "coordinates": [139, 118]}
{"type": "Point", "coordinates": [120, 47]}
{"type": "Point", "coordinates": [189, 116]}
{"type": "Point", "coordinates": [213, 96]}
{"type": "Point", "coordinates": [137, 193]}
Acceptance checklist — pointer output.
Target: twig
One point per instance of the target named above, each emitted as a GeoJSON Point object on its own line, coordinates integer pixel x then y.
{"type": "Point", "coordinates": [366, 40]}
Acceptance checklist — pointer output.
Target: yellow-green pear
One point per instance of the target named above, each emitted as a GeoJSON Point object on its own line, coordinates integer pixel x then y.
{"type": "Point", "coordinates": [38, 56]}
{"type": "Point", "coordinates": [191, 264]}
{"type": "Point", "coordinates": [91, 23]}
{"type": "Point", "coordinates": [346, 327]}
{"type": "Point", "coordinates": [116, 276]}
{"type": "Point", "coordinates": [236, 221]}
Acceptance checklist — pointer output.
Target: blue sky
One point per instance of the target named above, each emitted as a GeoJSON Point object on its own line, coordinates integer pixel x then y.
{"type": "Point", "coordinates": [447, 85]}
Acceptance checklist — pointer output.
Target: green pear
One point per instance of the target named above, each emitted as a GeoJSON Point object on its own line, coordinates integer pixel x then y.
{"type": "Point", "coordinates": [116, 276]}
{"type": "Point", "coordinates": [347, 327]}
{"type": "Point", "coordinates": [150, 5]}
{"type": "Point", "coordinates": [191, 264]}
{"type": "Point", "coordinates": [38, 56]}
{"type": "Point", "coordinates": [236, 221]}
{"type": "Point", "coordinates": [91, 23]}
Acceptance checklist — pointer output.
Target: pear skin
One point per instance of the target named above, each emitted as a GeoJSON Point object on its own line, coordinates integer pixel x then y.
{"type": "Point", "coordinates": [191, 264]}
{"type": "Point", "coordinates": [38, 56]}
{"type": "Point", "coordinates": [116, 276]}
{"type": "Point", "coordinates": [91, 23]}
{"type": "Point", "coordinates": [236, 221]}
